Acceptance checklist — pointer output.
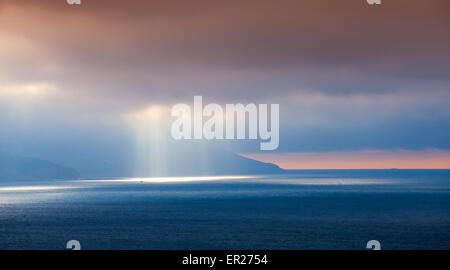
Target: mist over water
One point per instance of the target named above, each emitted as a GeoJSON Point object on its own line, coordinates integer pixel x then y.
{"type": "Point", "coordinates": [306, 210]}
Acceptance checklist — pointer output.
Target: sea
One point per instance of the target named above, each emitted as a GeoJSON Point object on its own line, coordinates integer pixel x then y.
{"type": "Point", "coordinates": [300, 210]}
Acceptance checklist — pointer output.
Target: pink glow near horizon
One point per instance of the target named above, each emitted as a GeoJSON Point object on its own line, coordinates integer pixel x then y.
{"type": "Point", "coordinates": [368, 159]}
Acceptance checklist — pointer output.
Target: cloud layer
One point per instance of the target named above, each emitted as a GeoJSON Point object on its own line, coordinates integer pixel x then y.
{"type": "Point", "coordinates": [348, 76]}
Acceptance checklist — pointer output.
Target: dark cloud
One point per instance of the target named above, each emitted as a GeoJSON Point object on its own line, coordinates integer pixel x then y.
{"type": "Point", "coordinates": [400, 39]}
{"type": "Point", "coordinates": [120, 55]}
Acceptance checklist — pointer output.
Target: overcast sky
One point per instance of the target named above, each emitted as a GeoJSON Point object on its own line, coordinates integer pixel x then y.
{"type": "Point", "coordinates": [350, 78]}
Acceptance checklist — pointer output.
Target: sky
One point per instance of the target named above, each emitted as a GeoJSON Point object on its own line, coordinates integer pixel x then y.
{"type": "Point", "coordinates": [359, 86]}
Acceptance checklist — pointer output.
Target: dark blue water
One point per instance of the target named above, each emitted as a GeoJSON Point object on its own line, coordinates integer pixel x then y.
{"type": "Point", "coordinates": [306, 210]}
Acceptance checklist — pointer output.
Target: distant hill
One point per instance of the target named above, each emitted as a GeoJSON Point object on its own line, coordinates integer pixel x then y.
{"type": "Point", "coordinates": [187, 159]}
{"type": "Point", "coordinates": [180, 159]}
{"type": "Point", "coordinates": [23, 168]}
{"type": "Point", "coordinates": [215, 161]}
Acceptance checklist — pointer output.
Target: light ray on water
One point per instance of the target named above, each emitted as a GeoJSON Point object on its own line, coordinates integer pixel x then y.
{"type": "Point", "coordinates": [33, 188]}
{"type": "Point", "coordinates": [167, 179]}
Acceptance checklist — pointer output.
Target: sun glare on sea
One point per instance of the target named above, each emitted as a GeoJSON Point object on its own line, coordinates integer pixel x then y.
{"type": "Point", "coordinates": [167, 179]}
{"type": "Point", "coordinates": [33, 188]}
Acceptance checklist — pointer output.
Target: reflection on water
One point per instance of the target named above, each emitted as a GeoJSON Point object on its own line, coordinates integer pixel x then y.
{"type": "Point", "coordinates": [43, 191]}
{"type": "Point", "coordinates": [325, 182]}
{"type": "Point", "coordinates": [33, 188]}
{"type": "Point", "coordinates": [168, 179]}
{"type": "Point", "coordinates": [243, 179]}
{"type": "Point", "coordinates": [314, 210]}
{"type": "Point", "coordinates": [213, 186]}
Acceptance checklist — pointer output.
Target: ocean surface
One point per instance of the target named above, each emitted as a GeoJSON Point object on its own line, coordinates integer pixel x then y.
{"type": "Point", "coordinates": [402, 209]}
